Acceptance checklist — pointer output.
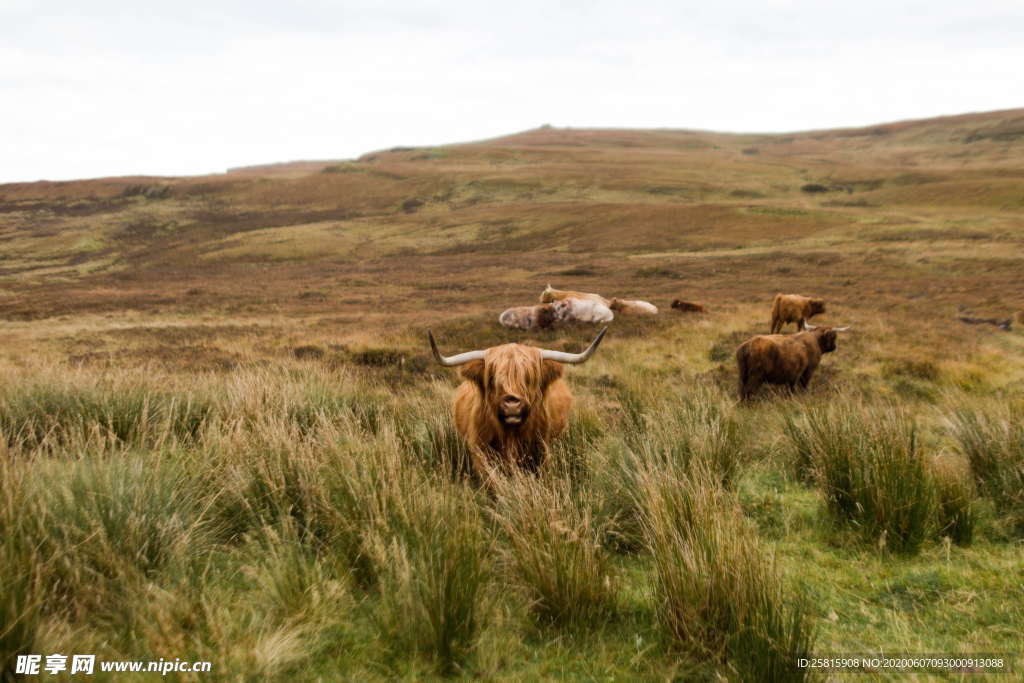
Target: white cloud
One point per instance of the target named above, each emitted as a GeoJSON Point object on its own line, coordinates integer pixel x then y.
{"type": "Point", "coordinates": [110, 88]}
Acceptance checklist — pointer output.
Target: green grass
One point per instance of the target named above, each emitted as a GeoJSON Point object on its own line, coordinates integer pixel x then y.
{"type": "Point", "coordinates": [301, 531]}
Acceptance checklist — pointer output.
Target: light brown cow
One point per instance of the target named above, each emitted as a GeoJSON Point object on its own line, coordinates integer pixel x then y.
{"type": "Point", "coordinates": [549, 294]}
{"type": "Point", "coordinates": [633, 307]}
{"type": "Point", "coordinates": [793, 308]}
{"type": "Point", "coordinates": [787, 359]}
{"type": "Point", "coordinates": [512, 403]}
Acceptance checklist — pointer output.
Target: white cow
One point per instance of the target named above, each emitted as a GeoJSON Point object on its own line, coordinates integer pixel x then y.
{"type": "Point", "coordinates": [582, 310]}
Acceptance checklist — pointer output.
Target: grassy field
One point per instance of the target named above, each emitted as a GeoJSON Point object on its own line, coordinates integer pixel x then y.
{"type": "Point", "coordinates": [222, 437]}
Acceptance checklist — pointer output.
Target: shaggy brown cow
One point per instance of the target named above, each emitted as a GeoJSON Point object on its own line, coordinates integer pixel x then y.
{"type": "Point", "coordinates": [512, 403]}
{"type": "Point", "coordinates": [788, 359]}
{"type": "Point", "coordinates": [793, 308]}
{"type": "Point", "coordinates": [549, 295]}
{"type": "Point", "coordinates": [687, 307]}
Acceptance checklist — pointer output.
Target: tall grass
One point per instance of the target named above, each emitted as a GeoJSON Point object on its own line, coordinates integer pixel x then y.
{"type": "Point", "coordinates": [434, 563]}
{"type": "Point", "coordinates": [554, 549]}
{"type": "Point", "coordinates": [956, 504]}
{"type": "Point", "coordinates": [717, 592]}
{"type": "Point", "coordinates": [872, 469]}
{"type": "Point", "coordinates": [992, 440]}
{"type": "Point", "coordinates": [52, 416]}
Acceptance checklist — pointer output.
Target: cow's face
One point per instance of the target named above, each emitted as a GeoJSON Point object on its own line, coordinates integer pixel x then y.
{"type": "Point", "coordinates": [546, 316]}
{"type": "Point", "coordinates": [512, 380]}
{"type": "Point", "coordinates": [561, 310]}
{"type": "Point", "coordinates": [817, 306]}
{"type": "Point", "coordinates": [827, 340]}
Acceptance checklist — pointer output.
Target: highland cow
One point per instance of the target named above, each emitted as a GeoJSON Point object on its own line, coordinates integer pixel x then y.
{"type": "Point", "coordinates": [512, 403]}
{"type": "Point", "coordinates": [786, 359]}
{"type": "Point", "coordinates": [633, 307]}
{"type": "Point", "coordinates": [793, 308]}
{"type": "Point", "coordinates": [581, 311]}
{"type": "Point", "coordinates": [688, 307]}
{"type": "Point", "coordinates": [549, 295]}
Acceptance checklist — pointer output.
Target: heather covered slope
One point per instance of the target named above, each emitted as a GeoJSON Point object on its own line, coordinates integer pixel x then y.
{"type": "Point", "coordinates": [937, 203]}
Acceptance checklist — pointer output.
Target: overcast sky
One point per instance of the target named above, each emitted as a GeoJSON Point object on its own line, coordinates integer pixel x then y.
{"type": "Point", "coordinates": [93, 88]}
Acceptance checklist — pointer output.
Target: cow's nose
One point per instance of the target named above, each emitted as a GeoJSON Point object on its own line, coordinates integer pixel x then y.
{"type": "Point", "coordinates": [511, 402]}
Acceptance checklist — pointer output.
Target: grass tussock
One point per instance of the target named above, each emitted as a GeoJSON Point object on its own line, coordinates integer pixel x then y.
{"type": "Point", "coordinates": [991, 437]}
{"type": "Point", "coordinates": [554, 550]}
{"type": "Point", "coordinates": [717, 591]}
{"type": "Point", "coordinates": [956, 504]}
{"type": "Point", "coordinates": [434, 561]}
{"type": "Point", "coordinates": [872, 468]}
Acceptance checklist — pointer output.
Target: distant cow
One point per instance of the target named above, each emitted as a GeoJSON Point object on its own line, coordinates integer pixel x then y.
{"type": "Point", "coordinates": [788, 359]}
{"type": "Point", "coordinates": [512, 403]}
{"type": "Point", "coordinates": [633, 307]}
{"type": "Point", "coordinates": [687, 307]}
{"type": "Point", "coordinates": [582, 311]}
{"type": "Point", "coordinates": [540, 317]}
{"type": "Point", "coordinates": [793, 308]}
{"type": "Point", "coordinates": [549, 295]}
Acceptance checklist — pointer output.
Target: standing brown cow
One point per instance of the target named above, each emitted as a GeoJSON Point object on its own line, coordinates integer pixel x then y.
{"type": "Point", "coordinates": [793, 308]}
{"type": "Point", "coordinates": [788, 359]}
{"type": "Point", "coordinates": [512, 403]}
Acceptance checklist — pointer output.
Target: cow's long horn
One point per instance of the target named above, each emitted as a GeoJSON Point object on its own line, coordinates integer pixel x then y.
{"type": "Point", "coordinates": [457, 359]}
{"type": "Point", "coordinates": [842, 329]}
{"type": "Point", "coordinates": [808, 326]}
{"type": "Point", "coordinates": [562, 357]}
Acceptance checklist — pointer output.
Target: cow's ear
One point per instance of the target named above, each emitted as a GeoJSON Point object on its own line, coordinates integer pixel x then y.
{"type": "Point", "coordinates": [549, 372]}
{"type": "Point", "coordinates": [473, 371]}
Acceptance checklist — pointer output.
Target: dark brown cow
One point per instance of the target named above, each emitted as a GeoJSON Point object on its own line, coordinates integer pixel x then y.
{"type": "Point", "coordinates": [793, 308]}
{"type": "Point", "coordinates": [787, 359]}
{"type": "Point", "coordinates": [688, 307]}
{"type": "Point", "coordinates": [512, 403]}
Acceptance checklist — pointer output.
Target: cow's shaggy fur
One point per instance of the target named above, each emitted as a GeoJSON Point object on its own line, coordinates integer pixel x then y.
{"type": "Point", "coordinates": [510, 406]}
{"type": "Point", "coordinates": [787, 359]}
{"type": "Point", "coordinates": [793, 308]}
{"type": "Point", "coordinates": [633, 307]}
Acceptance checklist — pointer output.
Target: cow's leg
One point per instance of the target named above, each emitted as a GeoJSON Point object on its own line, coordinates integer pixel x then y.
{"type": "Point", "coordinates": [748, 386]}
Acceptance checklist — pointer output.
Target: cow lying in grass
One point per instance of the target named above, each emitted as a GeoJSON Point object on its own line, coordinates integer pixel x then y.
{"type": "Point", "coordinates": [549, 294]}
{"type": "Point", "coordinates": [633, 307]}
{"type": "Point", "coordinates": [556, 314]}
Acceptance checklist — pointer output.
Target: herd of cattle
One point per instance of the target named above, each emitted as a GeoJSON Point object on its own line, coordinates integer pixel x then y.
{"type": "Point", "coordinates": [559, 307]}
{"type": "Point", "coordinates": [513, 400]}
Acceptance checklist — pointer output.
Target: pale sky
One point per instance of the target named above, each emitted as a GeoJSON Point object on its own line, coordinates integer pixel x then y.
{"type": "Point", "coordinates": [92, 88]}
